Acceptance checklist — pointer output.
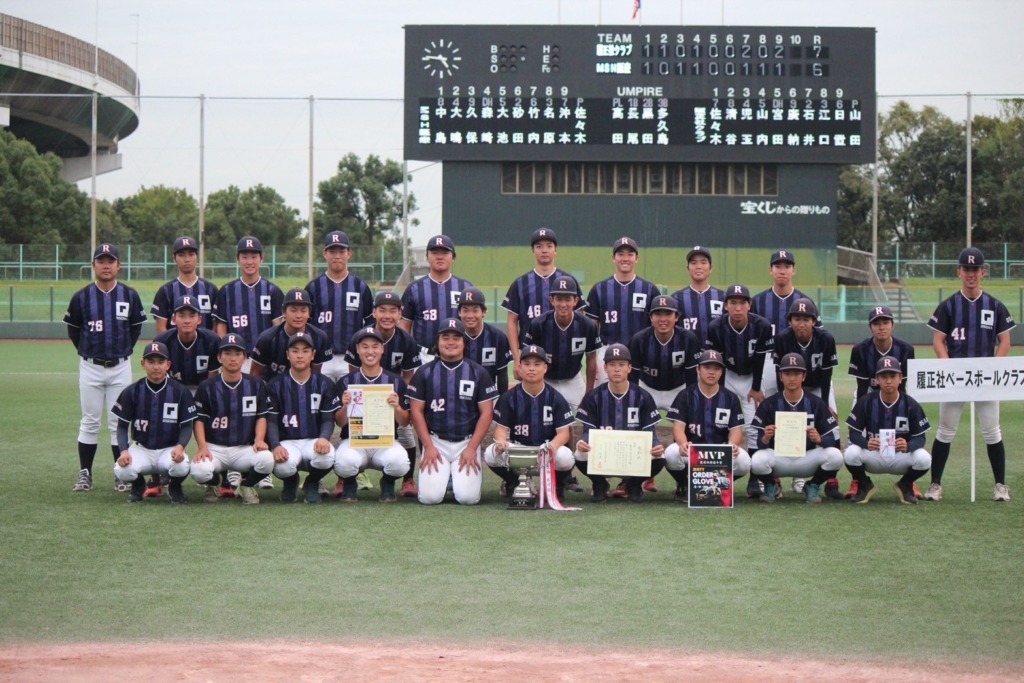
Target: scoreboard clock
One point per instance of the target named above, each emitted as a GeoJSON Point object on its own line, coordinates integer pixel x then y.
{"type": "Point", "coordinates": [628, 93]}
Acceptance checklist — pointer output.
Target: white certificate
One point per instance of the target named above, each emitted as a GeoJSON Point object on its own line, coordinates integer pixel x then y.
{"type": "Point", "coordinates": [371, 419]}
{"type": "Point", "coordinates": [619, 452]}
{"type": "Point", "coordinates": [791, 434]}
{"type": "Point", "coordinates": [887, 443]}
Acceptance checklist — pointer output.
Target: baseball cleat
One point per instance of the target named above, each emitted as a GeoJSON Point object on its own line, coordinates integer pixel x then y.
{"type": "Point", "coordinates": [812, 493]}
{"type": "Point", "coordinates": [917, 491]}
{"type": "Point", "coordinates": [248, 495]}
{"type": "Point", "coordinates": [290, 489]}
{"type": "Point", "coordinates": [682, 495]}
{"type": "Point", "coordinates": [387, 491]}
{"type": "Point", "coordinates": [832, 489]}
{"type": "Point", "coordinates": [176, 493]}
{"type": "Point", "coordinates": [84, 482]}
{"type": "Point", "coordinates": [778, 489]}
{"type": "Point", "coordinates": [600, 492]}
{"type": "Point", "coordinates": [905, 493]}
{"type": "Point", "coordinates": [211, 494]}
{"type": "Point", "coordinates": [234, 478]}
{"type": "Point", "coordinates": [635, 489]}
{"type": "Point", "coordinates": [864, 494]}
{"type": "Point", "coordinates": [363, 481]}
{"type": "Point", "coordinates": [852, 493]}
{"type": "Point", "coordinates": [771, 493]}
{"type": "Point", "coordinates": [122, 487]}
{"type": "Point", "coordinates": [409, 488]}
{"type": "Point", "coordinates": [153, 491]}
{"type": "Point", "coordinates": [620, 490]}
{"type": "Point", "coordinates": [798, 485]}
{"type": "Point", "coordinates": [311, 492]}
{"type": "Point", "coordinates": [348, 493]}
{"type": "Point", "coordinates": [934, 492]}
{"type": "Point", "coordinates": [573, 485]}
{"type": "Point", "coordinates": [650, 486]}
{"type": "Point", "coordinates": [1001, 493]}
{"type": "Point", "coordinates": [503, 489]}
{"type": "Point", "coordinates": [137, 490]}
{"type": "Point", "coordinates": [266, 482]}
{"type": "Point", "coordinates": [227, 492]}
{"type": "Point", "coordinates": [754, 488]}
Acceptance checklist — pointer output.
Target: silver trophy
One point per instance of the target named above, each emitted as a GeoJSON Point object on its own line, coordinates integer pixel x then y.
{"type": "Point", "coordinates": [522, 460]}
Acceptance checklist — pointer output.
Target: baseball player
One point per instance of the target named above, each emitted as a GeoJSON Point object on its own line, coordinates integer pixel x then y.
{"type": "Point", "coordinates": [301, 421]}
{"type": "Point", "coordinates": [705, 413]}
{"type": "Point", "coordinates": [664, 354]}
{"type": "Point", "coordinates": [618, 404]}
{"type": "Point", "coordinates": [822, 459]}
{"type": "Point", "coordinates": [488, 346]}
{"type": "Point", "coordinates": [104, 321]}
{"type": "Point", "coordinates": [192, 347]}
{"type": "Point", "coordinates": [250, 304]}
{"type": "Point", "coordinates": [188, 283]}
{"type": "Point", "coordinates": [231, 427]}
{"type": "Point", "coordinates": [159, 412]}
{"type": "Point", "coordinates": [619, 304]}
{"type": "Point", "coordinates": [699, 303]}
{"type": "Point", "coordinates": [528, 297]}
{"type": "Point", "coordinates": [532, 414]}
{"type": "Point", "coordinates": [401, 356]}
{"type": "Point", "coordinates": [970, 324]}
{"type": "Point", "coordinates": [452, 403]}
{"type": "Point", "coordinates": [342, 302]}
{"type": "Point", "coordinates": [431, 299]}
{"type": "Point", "coordinates": [270, 351]}
{"type": "Point", "coordinates": [887, 408]}
{"type": "Point", "coordinates": [881, 344]}
{"type": "Point", "coordinates": [569, 336]}
{"type": "Point", "coordinates": [350, 460]}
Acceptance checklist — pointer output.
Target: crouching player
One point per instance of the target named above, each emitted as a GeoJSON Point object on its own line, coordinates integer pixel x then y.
{"type": "Point", "coordinates": [706, 413]}
{"type": "Point", "coordinates": [160, 412]}
{"type": "Point", "coordinates": [232, 426]}
{"type": "Point", "coordinates": [822, 459]}
{"type": "Point", "coordinates": [887, 408]}
{"type": "Point", "coordinates": [532, 414]}
{"type": "Point", "coordinates": [349, 461]}
{"type": "Point", "coordinates": [301, 421]}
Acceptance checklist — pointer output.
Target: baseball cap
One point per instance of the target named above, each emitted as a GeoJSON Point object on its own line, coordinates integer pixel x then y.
{"type": "Point", "coordinates": [533, 351]}
{"type": "Point", "coordinates": [971, 257]}
{"type": "Point", "coordinates": [625, 243]}
{"type": "Point", "coordinates": [186, 301]}
{"type": "Point", "coordinates": [878, 313]}
{"type": "Point", "coordinates": [249, 243]}
{"type": "Point", "coordinates": [387, 299]}
{"type": "Point", "coordinates": [473, 296]}
{"type": "Point", "coordinates": [664, 302]}
{"type": "Point", "coordinates": [301, 337]}
{"type": "Point", "coordinates": [185, 244]}
{"type": "Point", "coordinates": [155, 348]}
{"type": "Point", "coordinates": [616, 352]}
{"type": "Point", "coordinates": [296, 296]}
{"type": "Point", "coordinates": [737, 292]}
{"type": "Point", "coordinates": [710, 357]}
{"type": "Point", "coordinates": [231, 341]}
{"type": "Point", "coordinates": [365, 332]}
{"type": "Point", "coordinates": [106, 249]}
{"type": "Point", "coordinates": [336, 238]}
{"type": "Point", "coordinates": [563, 284]}
{"type": "Point", "coordinates": [441, 242]}
{"type": "Point", "coordinates": [802, 307]}
{"type": "Point", "coordinates": [452, 325]}
{"type": "Point", "coordinates": [782, 256]}
{"type": "Point", "coordinates": [698, 251]}
{"type": "Point", "coordinates": [541, 234]}
{"type": "Point", "coordinates": [792, 361]}
{"type": "Point", "coordinates": [888, 364]}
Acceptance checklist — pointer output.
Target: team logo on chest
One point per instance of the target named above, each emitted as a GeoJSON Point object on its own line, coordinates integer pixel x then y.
{"type": "Point", "coordinates": [722, 417]}
{"type": "Point", "coordinates": [487, 355]}
{"type": "Point", "coordinates": [546, 416]}
{"type": "Point", "coordinates": [352, 301]}
{"type": "Point", "coordinates": [902, 424]}
{"type": "Point", "coordinates": [314, 402]}
{"type": "Point", "coordinates": [678, 358]}
{"type": "Point", "coordinates": [396, 358]}
{"type": "Point", "coordinates": [988, 318]}
{"type": "Point", "coordinates": [453, 299]}
{"type": "Point", "coordinates": [248, 405]}
{"type": "Point", "coordinates": [264, 303]}
{"type": "Point", "coordinates": [576, 345]}
{"type": "Point", "coordinates": [639, 301]}
{"type": "Point", "coordinates": [467, 388]}
{"type": "Point", "coordinates": [632, 417]}
{"type": "Point", "coordinates": [202, 363]}
{"type": "Point", "coordinates": [121, 309]}
{"type": "Point", "coordinates": [204, 302]}
{"type": "Point", "coordinates": [170, 412]}
{"type": "Point", "coordinates": [716, 309]}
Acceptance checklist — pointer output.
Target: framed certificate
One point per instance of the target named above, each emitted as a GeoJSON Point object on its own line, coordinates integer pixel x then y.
{"type": "Point", "coordinates": [619, 452]}
{"type": "Point", "coordinates": [371, 419]}
{"type": "Point", "coordinates": [791, 435]}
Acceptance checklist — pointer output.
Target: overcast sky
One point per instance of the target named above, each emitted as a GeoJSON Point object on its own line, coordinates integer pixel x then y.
{"type": "Point", "coordinates": [339, 50]}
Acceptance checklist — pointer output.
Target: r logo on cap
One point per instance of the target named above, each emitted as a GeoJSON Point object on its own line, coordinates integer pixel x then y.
{"type": "Point", "coordinates": [336, 239]}
{"type": "Point", "coordinates": [738, 289]}
{"type": "Point", "coordinates": [106, 248]}
{"type": "Point", "coordinates": [783, 254]}
{"type": "Point", "coordinates": [186, 301]}
{"type": "Point", "coordinates": [615, 352]}
{"type": "Point", "coordinates": [154, 348]}
{"type": "Point", "coordinates": [453, 324]}
{"type": "Point", "coordinates": [970, 259]}
{"type": "Point", "coordinates": [879, 311]}
{"type": "Point", "coordinates": [186, 242]}
{"type": "Point", "coordinates": [887, 362]}
{"type": "Point", "coordinates": [561, 284]}
{"type": "Point", "coordinates": [801, 307]}
{"type": "Point", "coordinates": [250, 244]}
{"type": "Point", "coordinates": [793, 361]}
{"type": "Point", "coordinates": [439, 242]}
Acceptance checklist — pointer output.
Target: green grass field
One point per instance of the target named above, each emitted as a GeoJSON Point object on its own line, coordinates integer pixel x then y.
{"type": "Point", "coordinates": [882, 582]}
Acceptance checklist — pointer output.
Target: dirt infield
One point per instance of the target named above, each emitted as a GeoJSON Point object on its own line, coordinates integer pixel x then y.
{"type": "Point", "coordinates": [311, 662]}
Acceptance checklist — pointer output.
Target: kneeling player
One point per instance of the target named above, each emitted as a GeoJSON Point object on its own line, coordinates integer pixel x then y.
{"type": "Point", "coordinates": [302, 407]}
{"type": "Point", "coordinates": [160, 412]}
{"type": "Point", "coordinates": [887, 408]}
{"type": "Point", "coordinates": [707, 413]}
{"type": "Point", "coordinates": [232, 426]}
{"type": "Point", "coordinates": [532, 414]}
{"type": "Point", "coordinates": [822, 459]}
{"type": "Point", "coordinates": [351, 460]}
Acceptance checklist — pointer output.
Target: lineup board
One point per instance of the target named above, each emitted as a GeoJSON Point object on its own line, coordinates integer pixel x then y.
{"type": "Point", "coordinates": [640, 93]}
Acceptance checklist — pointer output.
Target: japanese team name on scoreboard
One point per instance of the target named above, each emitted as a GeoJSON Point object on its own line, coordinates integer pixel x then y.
{"type": "Point", "coordinates": [651, 93]}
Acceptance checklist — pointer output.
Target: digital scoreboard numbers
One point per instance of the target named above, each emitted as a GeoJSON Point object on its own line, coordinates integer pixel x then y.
{"type": "Point", "coordinates": [629, 93]}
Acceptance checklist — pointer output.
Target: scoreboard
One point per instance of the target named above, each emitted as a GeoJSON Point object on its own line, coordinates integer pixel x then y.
{"type": "Point", "coordinates": [750, 94]}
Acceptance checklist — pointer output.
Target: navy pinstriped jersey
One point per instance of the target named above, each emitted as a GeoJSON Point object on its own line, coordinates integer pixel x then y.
{"type": "Point", "coordinates": [301, 408]}
{"type": "Point", "coordinates": [738, 347]}
{"type": "Point", "coordinates": [105, 320]}
{"type": "Point", "coordinates": [818, 416]}
{"type": "Point", "coordinates": [532, 420]}
{"type": "Point", "coordinates": [633, 411]}
{"type": "Point", "coordinates": [192, 363]}
{"type": "Point", "coordinates": [864, 358]}
{"type": "Point", "coordinates": [774, 308]}
{"type": "Point", "coordinates": [249, 310]}
{"type": "Point", "coordinates": [229, 411]}
{"type": "Point", "coordinates": [529, 296]}
{"type": "Point", "coordinates": [155, 414]}
{"type": "Point", "coordinates": [971, 327]}
{"type": "Point", "coordinates": [819, 354]}
{"type": "Point", "coordinates": [451, 394]}
{"type": "Point", "coordinates": [664, 366]}
{"type": "Point", "coordinates": [708, 419]}
{"type": "Point", "coordinates": [401, 353]}
{"type": "Point", "coordinates": [871, 414]}
{"type": "Point", "coordinates": [490, 350]}
{"type": "Point", "coordinates": [698, 309]}
{"type": "Point", "coordinates": [271, 350]}
{"type": "Point", "coordinates": [427, 302]}
{"type": "Point", "coordinates": [203, 291]}
{"type": "Point", "coordinates": [567, 347]}
{"type": "Point", "coordinates": [340, 308]}
{"type": "Point", "coordinates": [620, 309]}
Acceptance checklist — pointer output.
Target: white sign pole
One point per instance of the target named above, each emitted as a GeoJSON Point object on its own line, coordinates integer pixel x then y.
{"type": "Point", "coordinates": [974, 466]}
